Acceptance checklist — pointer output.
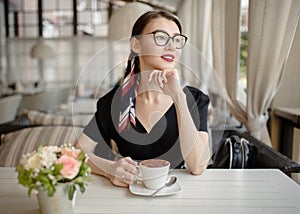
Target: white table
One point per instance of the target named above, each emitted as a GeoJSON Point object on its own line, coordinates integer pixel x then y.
{"type": "Point", "coordinates": [215, 191]}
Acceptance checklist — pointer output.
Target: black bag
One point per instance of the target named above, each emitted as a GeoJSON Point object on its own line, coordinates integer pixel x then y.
{"type": "Point", "coordinates": [234, 153]}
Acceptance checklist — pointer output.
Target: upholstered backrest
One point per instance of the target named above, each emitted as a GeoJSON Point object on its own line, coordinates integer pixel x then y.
{"type": "Point", "coordinates": [9, 107]}
{"type": "Point", "coordinates": [45, 101]}
{"type": "Point", "coordinates": [47, 119]}
{"type": "Point", "coordinates": [15, 144]}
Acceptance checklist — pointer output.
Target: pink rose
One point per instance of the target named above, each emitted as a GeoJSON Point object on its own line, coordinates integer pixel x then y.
{"type": "Point", "coordinates": [70, 168]}
{"type": "Point", "coordinates": [71, 152]}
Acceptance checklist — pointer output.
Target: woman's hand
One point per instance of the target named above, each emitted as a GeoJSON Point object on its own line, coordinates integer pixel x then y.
{"type": "Point", "coordinates": [167, 80]}
{"type": "Point", "coordinates": [123, 172]}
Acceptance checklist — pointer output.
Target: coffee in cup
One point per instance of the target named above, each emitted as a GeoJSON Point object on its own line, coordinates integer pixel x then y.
{"type": "Point", "coordinates": [154, 172]}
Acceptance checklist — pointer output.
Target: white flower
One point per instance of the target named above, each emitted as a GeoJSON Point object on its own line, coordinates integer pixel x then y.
{"type": "Point", "coordinates": [35, 173]}
{"type": "Point", "coordinates": [33, 162]}
{"type": "Point", "coordinates": [51, 177]}
{"type": "Point", "coordinates": [48, 156]}
{"type": "Point", "coordinates": [25, 157]}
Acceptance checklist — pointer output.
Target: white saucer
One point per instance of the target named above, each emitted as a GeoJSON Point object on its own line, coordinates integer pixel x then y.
{"type": "Point", "coordinates": [138, 188]}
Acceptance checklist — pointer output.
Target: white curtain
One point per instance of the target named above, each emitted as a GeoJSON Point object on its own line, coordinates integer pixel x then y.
{"type": "Point", "coordinates": [271, 28]}
{"type": "Point", "coordinates": [272, 25]}
{"type": "Point", "coordinates": [213, 28]}
{"type": "Point", "coordinates": [197, 27]}
{"type": "Point", "coordinates": [197, 24]}
{"type": "Point", "coordinates": [226, 46]}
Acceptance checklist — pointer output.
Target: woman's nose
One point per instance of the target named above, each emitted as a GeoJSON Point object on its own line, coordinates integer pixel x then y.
{"type": "Point", "coordinates": [170, 45]}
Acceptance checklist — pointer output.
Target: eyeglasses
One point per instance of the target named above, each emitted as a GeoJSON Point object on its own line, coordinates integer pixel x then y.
{"type": "Point", "coordinates": [161, 38]}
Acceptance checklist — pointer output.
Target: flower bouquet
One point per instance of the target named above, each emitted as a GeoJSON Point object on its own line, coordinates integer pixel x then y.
{"type": "Point", "coordinates": [51, 166]}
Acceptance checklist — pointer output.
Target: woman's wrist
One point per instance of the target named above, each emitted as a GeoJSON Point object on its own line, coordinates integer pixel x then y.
{"type": "Point", "coordinates": [101, 166]}
{"type": "Point", "coordinates": [108, 172]}
{"type": "Point", "coordinates": [178, 97]}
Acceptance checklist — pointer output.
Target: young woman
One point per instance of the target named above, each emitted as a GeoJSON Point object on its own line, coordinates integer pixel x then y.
{"type": "Point", "coordinates": [150, 115]}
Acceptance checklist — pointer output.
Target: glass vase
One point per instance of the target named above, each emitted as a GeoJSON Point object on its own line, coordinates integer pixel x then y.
{"type": "Point", "coordinates": [59, 203]}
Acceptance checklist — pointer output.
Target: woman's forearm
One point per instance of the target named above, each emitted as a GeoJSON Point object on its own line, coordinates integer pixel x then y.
{"type": "Point", "coordinates": [98, 165]}
{"type": "Point", "coordinates": [121, 173]}
{"type": "Point", "coordinates": [194, 144]}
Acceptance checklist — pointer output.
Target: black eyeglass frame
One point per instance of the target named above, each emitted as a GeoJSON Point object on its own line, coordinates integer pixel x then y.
{"type": "Point", "coordinates": [170, 37]}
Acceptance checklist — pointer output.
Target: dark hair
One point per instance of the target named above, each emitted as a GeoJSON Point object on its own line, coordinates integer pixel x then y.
{"type": "Point", "coordinates": [139, 26]}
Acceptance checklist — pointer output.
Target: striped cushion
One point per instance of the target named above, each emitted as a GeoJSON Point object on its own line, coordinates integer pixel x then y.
{"type": "Point", "coordinates": [40, 118]}
{"type": "Point", "coordinates": [15, 144]}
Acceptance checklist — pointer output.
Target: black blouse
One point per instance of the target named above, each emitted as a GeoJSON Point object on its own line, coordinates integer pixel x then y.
{"type": "Point", "coordinates": [161, 142]}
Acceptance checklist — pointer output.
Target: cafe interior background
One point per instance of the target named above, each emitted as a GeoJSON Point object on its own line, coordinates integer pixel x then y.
{"type": "Point", "coordinates": [245, 55]}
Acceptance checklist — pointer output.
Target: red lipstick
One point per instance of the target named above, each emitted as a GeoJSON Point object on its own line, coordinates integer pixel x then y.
{"type": "Point", "coordinates": [168, 57]}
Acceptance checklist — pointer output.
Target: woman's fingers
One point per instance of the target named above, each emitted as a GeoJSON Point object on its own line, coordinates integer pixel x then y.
{"type": "Point", "coordinates": [119, 183]}
{"type": "Point", "coordinates": [129, 160]}
{"type": "Point", "coordinates": [130, 166]}
{"type": "Point", "coordinates": [125, 172]}
{"type": "Point", "coordinates": [153, 76]}
{"type": "Point", "coordinates": [167, 80]}
{"type": "Point", "coordinates": [162, 79]}
{"type": "Point", "coordinates": [172, 73]}
{"type": "Point", "coordinates": [164, 76]}
{"type": "Point", "coordinates": [158, 77]}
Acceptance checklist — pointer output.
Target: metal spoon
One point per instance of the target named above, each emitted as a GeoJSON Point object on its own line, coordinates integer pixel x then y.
{"type": "Point", "coordinates": [172, 180]}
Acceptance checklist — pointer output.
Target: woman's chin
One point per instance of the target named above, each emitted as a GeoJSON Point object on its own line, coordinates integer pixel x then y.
{"type": "Point", "coordinates": [164, 66]}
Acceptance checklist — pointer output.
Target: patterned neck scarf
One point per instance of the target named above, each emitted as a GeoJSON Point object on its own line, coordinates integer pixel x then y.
{"type": "Point", "coordinates": [129, 92]}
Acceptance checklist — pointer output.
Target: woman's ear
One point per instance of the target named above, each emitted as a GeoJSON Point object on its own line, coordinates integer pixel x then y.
{"type": "Point", "coordinates": [135, 45]}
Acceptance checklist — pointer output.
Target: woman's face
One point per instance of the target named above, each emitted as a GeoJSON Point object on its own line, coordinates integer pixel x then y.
{"type": "Point", "coordinates": [153, 56]}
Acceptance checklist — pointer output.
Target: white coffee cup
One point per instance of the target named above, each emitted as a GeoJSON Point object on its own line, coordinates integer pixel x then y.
{"type": "Point", "coordinates": [154, 172]}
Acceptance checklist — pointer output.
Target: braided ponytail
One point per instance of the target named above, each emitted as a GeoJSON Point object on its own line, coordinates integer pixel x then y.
{"type": "Point", "coordinates": [133, 60]}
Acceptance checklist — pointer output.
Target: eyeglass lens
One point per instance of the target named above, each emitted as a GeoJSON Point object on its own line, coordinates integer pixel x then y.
{"type": "Point", "coordinates": [162, 38]}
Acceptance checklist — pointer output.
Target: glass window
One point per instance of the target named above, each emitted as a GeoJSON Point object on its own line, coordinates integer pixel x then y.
{"type": "Point", "coordinates": [11, 17]}
{"type": "Point", "coordinates": [30, 5]}
{"type": "Point", "coordinates": [84, 17]}
{"type": "Point", "coordinates": [49, 5]}
{"type": "Point", "coordinates": [244, 44]}
{"type": "Point", "coordinates": [30, 31]}
{"type": "Point", "coordinates": [17, 4]}
{"type": "Point", "coordinates": [20, 18]}
{"type": "Point", "coordinates": [101, 30]}
{"type": "Point", "coordinates": [65, 4]}
{"type": "Point", "coordinates": [30, 18]}
{"type": "Point", "coordinates": [66, 31]}
{"type": "Point", "coordinates": [58, 18]}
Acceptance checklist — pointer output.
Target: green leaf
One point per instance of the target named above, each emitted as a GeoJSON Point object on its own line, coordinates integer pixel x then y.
{"type": "Point", "coordinates": [71, 191]}
{"type": "Point", "coordinates": [51, 190]}
{"type": "Point", "coordinates": [81, 156]}
{"type": "Point", "coordinates": [32, 187]}
{"type": "Point", "coordinates": [24, 177]}
{"type": "Point", "coordinates": [58, 167]}
{"type": "Point", "coordinates": [43, 178]}
{"type": "Point", "coordinates": [82, 187]}
{"type": "Point", "coordinates": [20, 168]}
